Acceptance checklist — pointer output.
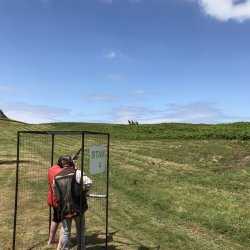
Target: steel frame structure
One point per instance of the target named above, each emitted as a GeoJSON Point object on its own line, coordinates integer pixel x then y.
{"type": "Point", "coordinates": [53, 134]}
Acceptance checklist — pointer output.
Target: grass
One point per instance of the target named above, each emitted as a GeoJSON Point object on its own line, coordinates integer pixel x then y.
{"type": "Point", "coordinates": [174, 193]}
{"type": "Point", "coordinates": [236, 131]}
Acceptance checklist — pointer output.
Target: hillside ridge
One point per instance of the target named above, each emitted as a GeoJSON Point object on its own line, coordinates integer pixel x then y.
{"type": "Point", "coordinates": [2, 115]}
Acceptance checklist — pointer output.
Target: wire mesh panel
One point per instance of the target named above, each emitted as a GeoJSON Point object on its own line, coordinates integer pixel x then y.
{"type": "Point", "coordinates": [68, 143]}
{"type": "Point", "coordinates": [32, 188]}
{"type": "Point", "coordinates": [95, 152]}
{"type": "Point", "coordinates": [37, 152]}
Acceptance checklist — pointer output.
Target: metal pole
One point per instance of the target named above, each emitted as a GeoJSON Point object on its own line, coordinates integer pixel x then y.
{"type": "Point", "coordinates": [107, 195]}
{"type": "Point", "coordinates": [81, 184]}
{"type": "Point", "coordinates": [52, 159]}
{"type": "Point", "coordinates": [15, 215]}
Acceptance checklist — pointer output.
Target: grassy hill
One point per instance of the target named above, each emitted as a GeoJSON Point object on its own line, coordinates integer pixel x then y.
{"type": "Point", "coordinates": [237, 131]}
{"type": "Point", "coordinates": [2, 115]}
{"type": "Point", "coordinates": [173, 186]}
{"type": "Point", "coordinates": [230, 131]}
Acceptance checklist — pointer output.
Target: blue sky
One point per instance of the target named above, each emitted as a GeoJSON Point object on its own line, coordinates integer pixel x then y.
{"type": "Point", "coordinates": [111, 61]}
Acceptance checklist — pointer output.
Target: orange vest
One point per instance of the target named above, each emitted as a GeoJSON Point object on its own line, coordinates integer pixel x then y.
{"type": "Point", "coordinates": [52, 200]}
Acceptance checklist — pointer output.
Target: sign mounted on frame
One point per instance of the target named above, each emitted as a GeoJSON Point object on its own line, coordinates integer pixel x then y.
{"type": "Point", "coordinates": [97, 159]}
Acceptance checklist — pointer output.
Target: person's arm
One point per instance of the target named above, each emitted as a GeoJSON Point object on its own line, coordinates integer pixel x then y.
{"type": "Point", "coordinates": [75, 167]}
{"type": "Point", "coordinates": [87, 182]}
{"type": "Point", "coordinates": [74, 158]}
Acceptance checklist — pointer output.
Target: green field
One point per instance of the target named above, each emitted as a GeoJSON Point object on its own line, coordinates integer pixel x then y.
{"type": "Point", "coordinates": [172, 186]}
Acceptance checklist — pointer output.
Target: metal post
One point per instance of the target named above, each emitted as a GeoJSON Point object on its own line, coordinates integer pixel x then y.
{"type": "Point", "coordinates": [107, 195]}
{"type": "Point", "coordinates": [81, 184]}
{"type": "Point", "coordinates": [83, 133]}
{"type": "Point", "coordinates": [15, 215]}
{"type": "Point", "coordinates": [52, 159]}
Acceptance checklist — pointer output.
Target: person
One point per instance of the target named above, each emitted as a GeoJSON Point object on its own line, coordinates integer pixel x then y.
{"type": "Point", "coordinates": [67, 188]}
{"type": "Point", "coordinates": [52, 202]}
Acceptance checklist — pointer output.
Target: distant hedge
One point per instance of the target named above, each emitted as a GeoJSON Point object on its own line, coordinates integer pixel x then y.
{"type": "Point", "coordinates": [229, 131]}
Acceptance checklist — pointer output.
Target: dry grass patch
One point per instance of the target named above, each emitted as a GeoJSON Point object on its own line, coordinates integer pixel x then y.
{"type": "Point", "coordinates": [127, 166]}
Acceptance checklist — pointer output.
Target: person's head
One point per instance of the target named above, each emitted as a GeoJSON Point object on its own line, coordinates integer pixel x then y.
{"type": "Point", "coordinates": [65, 161]}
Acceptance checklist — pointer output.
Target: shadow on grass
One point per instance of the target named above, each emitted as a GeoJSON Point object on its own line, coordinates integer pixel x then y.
{"type": "Point", "coordinates": [94, 242]}
{"type": "Point", "coordinates": [11, 162]}
{"type": "Point", "coordinates": [97, 241]}
{"type": "Point", "coordinates": [148, 248]}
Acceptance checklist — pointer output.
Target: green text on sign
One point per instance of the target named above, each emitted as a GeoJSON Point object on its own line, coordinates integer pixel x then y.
{"type": "Point", "coordinates": [98, 154]}
{"type": "Point", "coordinates": [97, 159]}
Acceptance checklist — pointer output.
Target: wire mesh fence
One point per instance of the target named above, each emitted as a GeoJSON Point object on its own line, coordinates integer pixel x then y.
{"type": "Point", "coordinates": [37, 152]}
{"type": "Point", "coordinates": [96, 214]}
{"type": "Point", "coordinates": [31, 189]}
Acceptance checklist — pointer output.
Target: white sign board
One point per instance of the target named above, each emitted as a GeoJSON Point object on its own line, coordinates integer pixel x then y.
{"type": "Point", "coordinates": [97, 159]}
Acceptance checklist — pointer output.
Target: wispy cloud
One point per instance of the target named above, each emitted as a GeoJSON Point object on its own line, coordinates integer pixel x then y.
{"type": "Point", "coordinates": [110, 55]}
{"type": "Point", "coordinates": [45, 1]}
{"type": "Point", "coordinates": [140, 95]}
{"type": "Point", "coordinates": [101, 97]}
{"type": "Point", "coordinates": [110, 1]}
{"type": "Point", "coordinates": [32, 113]}
{"type": "Point", "coordinates": [140, 92]}
{"type": "Point", "coordinates": [122, 113]}
{"type": "Point", "coordinates": [9, 90]}
{"type": "Point", "coordinates": [226, 9]}
{"type": "Point", "coordinates": [198, 112]}
{"type": "Point", "coordinates": [114, 77]}
{"type": "Point", "coordinates": [6, 89]}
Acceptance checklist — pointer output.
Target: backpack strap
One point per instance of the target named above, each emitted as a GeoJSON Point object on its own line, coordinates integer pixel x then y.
{"type": "Point", "coordinates": [76, 197]}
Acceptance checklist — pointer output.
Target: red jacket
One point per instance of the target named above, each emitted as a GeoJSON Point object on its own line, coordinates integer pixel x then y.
{"type": "Point", "coordinates": [52, 200]}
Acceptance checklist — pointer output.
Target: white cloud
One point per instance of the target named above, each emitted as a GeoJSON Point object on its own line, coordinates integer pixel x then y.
{"type": "Point", "coordinates": [13, 91]}
{"type": "Point", "coordinates": [110, 55]}
{"type": "Point", "coordinates": [124, 113]}
{"type": "Point", "coordinates": [45, 1]}
{"type": "Point", "coordinates": [6, 89]}
{"type": "Point", "coordinates": [140, 94]}
{"type": "Point", "coordinates": [226, 9]}
{"type": "Point", "coordinates": [101, 97]}
{"type": "Point", "coordinates": [110, 1]}
{"type": "Point", "coordinates": [114, 77]}
{"type": "Point", "coordinates": [32, 113]}
{"type": "Point", "coordinates": [198, 112]}
{"type": "Point", "coordinates": [113, 54]}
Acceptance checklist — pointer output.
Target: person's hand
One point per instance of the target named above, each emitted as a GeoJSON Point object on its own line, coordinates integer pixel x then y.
{"type": "Point", "coordinates": [75, 167]}
{"type": "Point", "coordinates": [75, 157]}
{"type": "Point", "coordinates": [85, 191]}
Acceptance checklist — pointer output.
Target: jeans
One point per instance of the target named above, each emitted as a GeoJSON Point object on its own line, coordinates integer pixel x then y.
{"type": "Point", "coordinates": [67, 230]}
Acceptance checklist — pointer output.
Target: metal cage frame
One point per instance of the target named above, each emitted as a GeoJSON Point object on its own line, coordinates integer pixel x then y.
{"type": "Point", "coordinates": [52, 134]}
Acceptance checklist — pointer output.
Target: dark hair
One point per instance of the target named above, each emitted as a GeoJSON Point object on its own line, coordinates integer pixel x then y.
{"type": "Point", "coordinates": [67, 158]}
